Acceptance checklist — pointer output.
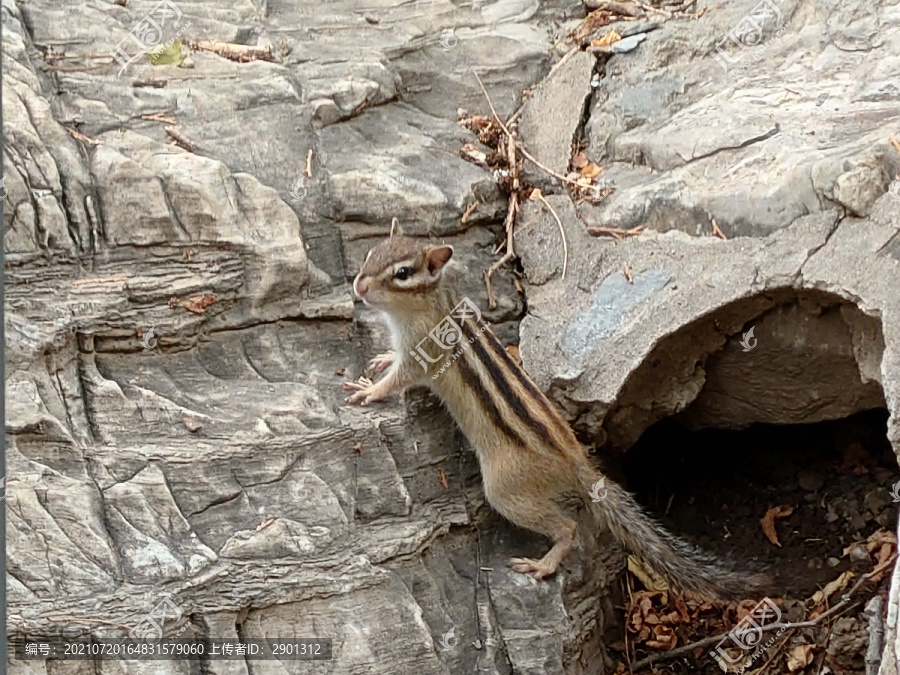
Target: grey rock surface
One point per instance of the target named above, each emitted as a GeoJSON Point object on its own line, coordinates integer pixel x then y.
{"type": "Point", "coordinates": [179, 322]}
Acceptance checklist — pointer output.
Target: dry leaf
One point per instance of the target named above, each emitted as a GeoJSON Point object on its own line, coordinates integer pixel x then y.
{"type": "Point", "coordinates": [832, 587]}
{"type": "Point", "coordinates": [879, 538]}
{"type": "Point", "coordinates": [167, 55]}
{"type": "Point", "coordinates": [884, 554]}
{"type": "Point", "coordinates": [591, 171]}
{"type": "Point", "coordinates": [199, 303]}
{"type": "Point", "coordinates": [800, 657]}
{"type": "Point", "coordinates": [535, 195]}
{"type": "Point", "coordinates": [768, 521]}
{"type": "Point", "coordinates": [650, 579]}
{"type": "Point", "coordinates": [606, 39]}
{"type": "Point", "coordinates": [895, 142]}
{"type": "Point", "coordinates": [580, 160]}
{"type": "Point", "coordinates": [663, 638]}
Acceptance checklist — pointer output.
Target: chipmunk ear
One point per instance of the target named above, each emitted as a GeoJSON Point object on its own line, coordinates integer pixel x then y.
{"type": "Point", "coordinates": [395, 228]}
{"type": "Point", "coordinates": [437, 257]}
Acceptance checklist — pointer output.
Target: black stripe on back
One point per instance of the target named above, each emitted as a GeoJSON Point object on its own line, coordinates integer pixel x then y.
{"type": "Point", "coordinates": [506, 391]}
{"type": "Point", "coordinates": [529, 386]}
{"type": "Point", "coordinates": [470, 377]}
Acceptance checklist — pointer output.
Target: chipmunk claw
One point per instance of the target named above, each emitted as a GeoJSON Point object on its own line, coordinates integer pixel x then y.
{"type": "Point", "coordinates": [381, 362]}
{"type": "Point", "coordinates": [533, 568]}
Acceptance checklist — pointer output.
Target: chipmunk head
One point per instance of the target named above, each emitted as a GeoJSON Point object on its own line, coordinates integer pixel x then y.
{"type": "Point", "coordinates": [400, 274]}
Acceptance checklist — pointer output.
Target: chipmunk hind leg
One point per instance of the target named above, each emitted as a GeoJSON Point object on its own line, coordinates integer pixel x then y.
{"type": "Point", "coordinates": [544, 517]}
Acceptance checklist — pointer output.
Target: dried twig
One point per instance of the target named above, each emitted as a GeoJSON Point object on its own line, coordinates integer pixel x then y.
{"type": "Point", "coordinates": [156, 84]}
{"type": "Point", "coordinates": [159, 117]}
{"type": "Point", "coordinates": [511, 211]}
{"type": "Point", "coordinates": [717, 231]}
{"type": "Point", "coordinates": [180, 139]}
{"type": "Point", "coordinates": [549, 170]}
{"type": "Point", "coordinates": [232, 51]}
{"type": "Point", "coordinates": [77, 135]}
{"type": "Point", "coordinates": [513, 206]}
{"type": "Point", "coordinates": [776, 652]}
{"type": "Point", "coordinates": [616, 234]}
{"type": "Point", "coordinates": [309, 163]}
{"type": "Point", "coordinates": [562, 231]}
{"type": "Point", "coordinates": [470, 209]}
{"type": "Point", "coordinates": [705, 642]}
{"type": "Point", "coordinates": [649, 8]}
{"type": "Point", "coordinates": [491, 104]}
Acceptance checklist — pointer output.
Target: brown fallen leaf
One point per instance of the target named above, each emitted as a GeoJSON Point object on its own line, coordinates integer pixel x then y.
{"type": "Point", "coordinates": [472, 153]}
{"type": "Point", "coordinates": [832, 587]}
{"type": "Point", "coordinates": [663, 638]}
{"type": "Point", "coordinates": [591, 171]}
{"type": "Point", "coordinates": [606, 39]}
{"type": "Point", "coordinates": [651, 581]}
{"type": "Point", "coordinates": [800, 657]}
{"type": "Point", "coordinates": [768, 522]}
{"type": "Point", "coordinates": [879, 538]}
{"type": "Point", "coordinates": [199, 303]}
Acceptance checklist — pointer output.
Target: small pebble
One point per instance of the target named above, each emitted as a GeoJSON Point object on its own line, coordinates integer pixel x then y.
{"type": "Point", "coordinates": [833, 562]}
{"type": "Point", "coordinates": [858, 553]}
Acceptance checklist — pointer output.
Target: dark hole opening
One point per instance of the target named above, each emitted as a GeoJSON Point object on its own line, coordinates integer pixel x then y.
{"type": "Point", "coordinates": [713, 486]}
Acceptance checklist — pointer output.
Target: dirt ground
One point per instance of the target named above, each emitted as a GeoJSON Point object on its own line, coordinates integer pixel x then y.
{"type": "Point", "coordinates": [830, 484]}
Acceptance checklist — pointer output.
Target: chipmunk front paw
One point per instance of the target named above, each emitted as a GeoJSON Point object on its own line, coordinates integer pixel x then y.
{"type": "Point", "coordinates": [365, 391]}
{"type": "Point", "coordinates": [535, 568]}
{"type": "Point", "coordinates": [381, 361]}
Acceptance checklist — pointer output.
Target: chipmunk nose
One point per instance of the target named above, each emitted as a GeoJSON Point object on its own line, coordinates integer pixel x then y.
{"type": "Point", "coordinates": [360, 286]}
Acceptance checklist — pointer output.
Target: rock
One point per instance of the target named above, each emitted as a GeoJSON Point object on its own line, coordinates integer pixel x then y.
{"type": "Point", "coordinates": [848, 643]}
{"type": "Point", "coordinates": [551, 116]}
{"type": "Point", "coordinates": [877, 500]}
{"type": "Point", "coordinates": [219, 466]}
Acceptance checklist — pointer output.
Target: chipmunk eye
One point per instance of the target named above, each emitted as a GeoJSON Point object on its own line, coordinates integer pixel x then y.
{"type": "Point", "coordinates": [403, 274]}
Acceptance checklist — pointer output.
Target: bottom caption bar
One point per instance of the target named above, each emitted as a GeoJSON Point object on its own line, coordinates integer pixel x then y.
{"type": "Point", "coordinates": [157, 649]}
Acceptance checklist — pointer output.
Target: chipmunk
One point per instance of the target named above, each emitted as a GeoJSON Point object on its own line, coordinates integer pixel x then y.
{"type": "Point", "coordinates": [530, 459]}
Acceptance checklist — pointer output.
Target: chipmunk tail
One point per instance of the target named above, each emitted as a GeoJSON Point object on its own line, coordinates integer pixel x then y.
{"type": "Point", "coordinates": [685, 567]}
